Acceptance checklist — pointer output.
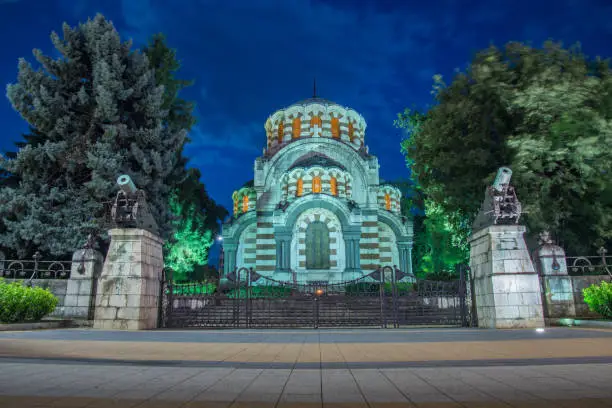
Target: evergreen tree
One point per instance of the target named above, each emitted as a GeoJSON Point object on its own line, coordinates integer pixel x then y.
{"type": "Point", "coordinates": [100, 114]}
{"type": "Point", "coordinates": [546, 113]}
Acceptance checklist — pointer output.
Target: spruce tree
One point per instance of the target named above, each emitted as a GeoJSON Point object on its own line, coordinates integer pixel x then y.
{"type": "Point", "coordinates": [101, 114]}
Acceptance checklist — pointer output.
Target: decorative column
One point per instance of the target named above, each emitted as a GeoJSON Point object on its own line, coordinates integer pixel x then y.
{"type": "Point", "coordinates": [81, 288]}
{"type": "Point", "coordinates": [229, 257]}
{"type": "Point", "coordinates": [506, 285]}
{"type": "Point", "coordinates": [283, 252]}
{"type": "Point", "coordinates": [405, 256]}
{"type": "Point", "coordinates": [352, 236]}
{"type": "Point", "coordinates": [557, 287]}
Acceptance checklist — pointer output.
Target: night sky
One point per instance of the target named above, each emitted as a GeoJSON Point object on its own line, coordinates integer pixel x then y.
{"type": "Point", "coordinates": [250, 58]}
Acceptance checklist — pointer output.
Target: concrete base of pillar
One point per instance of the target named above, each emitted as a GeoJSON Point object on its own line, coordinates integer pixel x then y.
{"type": "Point", "coordinates": [81, 289]}
{"type": "Point", "coordinates": [506, 285]}
{"type": "Point", "coordinates": [128, 290]}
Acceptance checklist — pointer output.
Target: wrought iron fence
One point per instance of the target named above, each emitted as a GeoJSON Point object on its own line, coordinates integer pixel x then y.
{"type": "Point", "coordinates": [34, 268]}
{"type": "Point", "coordinates": [379, 299]}
{"type": "Point", "coordinates": [590, 265]}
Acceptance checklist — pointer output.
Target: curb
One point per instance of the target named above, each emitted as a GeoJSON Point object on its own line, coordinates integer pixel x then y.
{"type": "Point", "coordinates": [596, 324]}
{"type": "Point", "coordinates": [45, 325]}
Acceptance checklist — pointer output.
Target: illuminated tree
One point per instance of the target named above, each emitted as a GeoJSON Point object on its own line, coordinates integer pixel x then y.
{"type": "Point", "coordinates": [190, 242]}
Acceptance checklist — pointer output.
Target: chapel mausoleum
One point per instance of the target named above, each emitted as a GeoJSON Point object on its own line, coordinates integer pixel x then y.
{"type": "Point", "coordinates": [316, 210]}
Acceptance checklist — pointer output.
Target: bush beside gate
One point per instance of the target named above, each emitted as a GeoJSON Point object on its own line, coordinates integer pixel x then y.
{"type": "Point", "coordinates": [20, 303]}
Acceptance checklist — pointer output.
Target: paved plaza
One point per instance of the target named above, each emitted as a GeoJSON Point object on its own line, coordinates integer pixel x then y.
{"type": "Point", "coordinates": [560, 367]}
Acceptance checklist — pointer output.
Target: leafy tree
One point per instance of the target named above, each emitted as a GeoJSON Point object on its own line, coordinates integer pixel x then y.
{"type": "Point", "coordinates": [100, 113]}
{"type": "Point", "coordinates": [191, 240]}
{"type": "Point", "coordinates": [545, 112]}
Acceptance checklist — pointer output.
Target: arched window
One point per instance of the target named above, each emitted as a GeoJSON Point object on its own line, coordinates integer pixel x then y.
{"type": "Point", "coordinates": [316, 121]}
{"type": "Point", "coordinates": [317, 246]}
{"type": "Point", "coordinates": [245, 203]}
{"type": "Point", "coordinates": [281, 131]}
{"type": "Point", "coordinates": [316, 184]}
{"type": "Point", "coordinates": [296, 128]}
{"type": "Point", "coordinates": [333, 186]}
{"type": "Point", "coordinates": [387, 202]}
{"type": "Point", "coordinates": [299, 190]}
{"type": "Point", "coordinates": [335, 128]}
{"type": "Point", "coordinates": [351, 131]}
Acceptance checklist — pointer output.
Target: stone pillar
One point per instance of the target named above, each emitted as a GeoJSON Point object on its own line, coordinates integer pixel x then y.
{"type": "Point", "coordinates": [127, 296]}
{"type": "Point", "coordinates": [81, 288]}
{"type": "Point", "coordinates": [506, 285]}
{"type": "Point", "coordinates": [557, 286]}
{"type": "Point", "coordinates": [229, 251]}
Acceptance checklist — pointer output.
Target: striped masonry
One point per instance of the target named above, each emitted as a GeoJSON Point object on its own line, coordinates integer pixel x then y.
{"type": "Point", "coordinates": [265, 246]}
{"type": "Point", "coordinates": [369, 254]}
{"type": "Point", "coordinates": [247, 247]}
{"type": "Point", "coordinates": [387, 242]}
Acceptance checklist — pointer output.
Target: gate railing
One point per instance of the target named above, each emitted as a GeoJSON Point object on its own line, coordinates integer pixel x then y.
{"type": "Point", "coordinates": [35, 268]}
{"type": "Point", "coordinates": [381, 298]}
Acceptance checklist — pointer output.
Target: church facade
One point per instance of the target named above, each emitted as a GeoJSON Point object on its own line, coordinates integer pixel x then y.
{"type": "Point", "coordinates": [316, 210]}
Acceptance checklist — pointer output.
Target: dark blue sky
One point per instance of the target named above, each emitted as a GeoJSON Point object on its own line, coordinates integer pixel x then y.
{"type": "Point", "coordinates": [249, 58]}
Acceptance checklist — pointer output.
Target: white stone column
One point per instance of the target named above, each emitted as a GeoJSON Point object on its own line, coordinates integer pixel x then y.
{"type": "Point", "coordinates": [127, 296]}
{"type": "Point", "coordinates": [506, 285]}
{"type": "Point", "coordinates": [81, 287]}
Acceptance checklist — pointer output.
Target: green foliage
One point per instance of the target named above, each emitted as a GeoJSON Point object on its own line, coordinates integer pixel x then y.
{"type": "Point", "coordinates": [190, 242]}
{"type": "Point", "coordinates": [599, 298]}
{"type": "Point", "coordinates": [256, 292]}
{"type": "Point", "coordinates": [374, 288]}
{"type": "Point", "coordinates": [166, 64]}
{"type": "Point", "coordinates": [195, 288]}
{"type": "Point", "coordinates": [190, 198]}
{"type": "Point", "coordinates": [440, 237]}
{"type": "Point", "coordinates": [97, 112]}
{"type": "Point", "coordinates": [19, 303]}
{"type": "Point", "coordinates": [445, 246]}
{"type": "Point", "coordinates": [544, 112]}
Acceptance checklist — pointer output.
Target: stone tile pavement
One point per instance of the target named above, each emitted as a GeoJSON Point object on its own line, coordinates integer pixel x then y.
{"type": "Point", "coordinates": [231, 369]}
{"type": "Point", "coordinates": [97, 386]}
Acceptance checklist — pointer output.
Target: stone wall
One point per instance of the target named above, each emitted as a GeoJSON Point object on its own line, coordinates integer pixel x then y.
{"type": "Point", "coordinates": [56, 286]}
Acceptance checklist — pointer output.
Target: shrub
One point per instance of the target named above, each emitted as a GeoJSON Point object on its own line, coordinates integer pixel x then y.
{"type": "Point", "coordinates": [599, 299]}
{"type": "Point", "coordinates": [194, 288]}
{"type": "Point", "coordinates": [19, 303]}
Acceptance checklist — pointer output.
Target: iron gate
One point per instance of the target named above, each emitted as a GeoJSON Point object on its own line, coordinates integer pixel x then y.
{"type": "Point", "coordinates": [379, 299]}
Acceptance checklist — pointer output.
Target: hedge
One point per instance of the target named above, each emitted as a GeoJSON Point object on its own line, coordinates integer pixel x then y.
{"type": "Point", "coordinates": [20, 303]}
{"type": "Point", "coordinates": [599, 298]}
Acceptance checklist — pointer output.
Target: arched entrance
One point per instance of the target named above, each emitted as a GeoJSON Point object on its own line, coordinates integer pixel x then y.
{"type": "Point", "coordinates": [317, 246]}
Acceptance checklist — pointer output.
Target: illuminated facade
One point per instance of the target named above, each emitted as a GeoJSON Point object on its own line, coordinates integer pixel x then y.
{"type": "Point", "coordinates": [316, 211]}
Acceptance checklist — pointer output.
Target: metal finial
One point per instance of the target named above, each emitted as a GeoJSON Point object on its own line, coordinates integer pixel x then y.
{"type": "Point", "coordinates": [314, 88]}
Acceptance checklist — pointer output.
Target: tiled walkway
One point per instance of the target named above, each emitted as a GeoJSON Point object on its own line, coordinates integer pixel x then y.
{"type": "Point", "coordinates": [351, 368]}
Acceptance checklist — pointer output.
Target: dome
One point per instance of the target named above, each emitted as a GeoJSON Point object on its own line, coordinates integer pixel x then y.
{"type": "Point", "coordinates": [314, 100]}
{"type": "Point", "coordinates": [314, 118]}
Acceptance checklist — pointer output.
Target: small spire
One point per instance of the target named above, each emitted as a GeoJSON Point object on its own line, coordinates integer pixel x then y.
{"type": "Point", "coordinates": [314, 88]}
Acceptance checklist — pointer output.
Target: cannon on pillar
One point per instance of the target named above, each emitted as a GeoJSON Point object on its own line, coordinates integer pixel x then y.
{"type": "Point", "coordinates": [500, 205]}
{"type": "Point", "coordinates": [130, 208]}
